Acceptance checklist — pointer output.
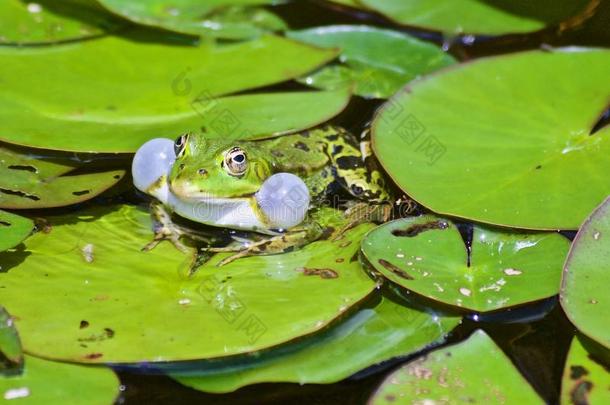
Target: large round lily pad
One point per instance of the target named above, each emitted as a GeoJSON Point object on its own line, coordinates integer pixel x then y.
{"type": "Point", "coordinates": [585, 380]}
{"type": "Point", "coordinates": [231, 19]}
{"type": "Point", "coordinates": [87, 293]}
{"type": "Point", "coordinates": [427, 255]}
{"type": "Point", "coordinates": [491, 17]}
{"type": "Point", "coordinates": [376, 62]}
{"type": "Point", "coordinates": [488, 140]}
{"type": "Point", "coordinates": [370, 336]}
{"type": "Point", "coordinates": [37, 181]}
{"type": "Point", "coordinates": [474, 371]}
{"type": "Point", "coordinates": [151, 88]}
{"type": "Point", "coordinates": [13, 229]}
{"type": "Point", "coordinates": [584, 294]}
{"type": "Point", "coordinates": [47, 21]}
{"type": "Point", "coordinates": [51, 382]}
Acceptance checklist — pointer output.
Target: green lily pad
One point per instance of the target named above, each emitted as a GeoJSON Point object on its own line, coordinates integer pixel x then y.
{"type": "Point", "coordinates": [104, 299]}
{"type": "Point", "coordinates": [369, 337]}
{"type": "Point", "coordinates": [474, 371]}
{"type": "Point", "coordinates": [491, 17]}
{"type": "Point", "coordinates": [510, 126]}
{"type": "Point", "coordinates": [584, 296]}
{"type": "Point", "coordinates": [11, 355]}
{"type": "Point", "coordinates": [50, 382]}
{"type": "Point", "coordinates": [376, 62]}
{"type": "Point", "coordinates": [45, 21]}
{"type": "Point", "coordinates": [585, 380]}
{"type": "Point", "coordinates": [427, 255]}
{"type": "Point", "coordinates": [150, 88]}
{"type": "Point", "coordinates": [230, 19]}
{"type": "Point", "coordinates": [13, 229]}
{"type": "Point", "coordinates": [28, 181]}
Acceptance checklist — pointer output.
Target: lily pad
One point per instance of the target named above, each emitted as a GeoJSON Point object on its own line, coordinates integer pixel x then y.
{"type": "Point", "coordinates": [104, 299]}
{"type": "Point", "coordinates": [28, 181]}
{"type": "Point", "coordinates": [229, 19]}
{"type": "Point", "coordinates": [584, 296]}
{"type": "Point", "coordinates": [585, 380]}
{"type": "Point", "coordinates": [491, 17]}
{"type": "Point", "coordinates": [150, 88]}
{"type": "Point", "coordinates": [13, 229]}
{"type": "Point", "coordinates": [474, 371]}
{"type": "Point", "coordinates": [50, 382]}
{"type": "Point", "coordinates": [510, 126]}
{"type": "Point", "coordinates": [46, 21]}
{"type": "Point", "coordinates": [427, 255]}
{"type": "Point", "coordinates": [377, 62]}
{"type": "Point", "coordinates": [369, 337]}
{"type": "Point", "coordinates": [11, 355]}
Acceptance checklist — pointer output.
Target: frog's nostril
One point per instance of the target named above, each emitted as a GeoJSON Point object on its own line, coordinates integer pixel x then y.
{"type": "Point", "coordinates": [181, 167]}
{"type": "Point", "coordinates": [202, 172]}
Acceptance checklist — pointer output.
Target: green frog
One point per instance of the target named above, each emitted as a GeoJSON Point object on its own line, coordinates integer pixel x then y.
{"type": "Point", "coordinates": [218, 182]}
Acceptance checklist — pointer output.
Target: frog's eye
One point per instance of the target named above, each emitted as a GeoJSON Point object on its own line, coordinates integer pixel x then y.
{"type": "Point", "coordinates": [235, 161]}
{"type": "Point", "coordinates": [180, 144]}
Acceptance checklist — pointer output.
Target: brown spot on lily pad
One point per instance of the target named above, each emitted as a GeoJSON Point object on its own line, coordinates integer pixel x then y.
{"type": "Point", "coordinates": [577, 372]}
{"type": "Point", "coordinates": [93, 356]}
{"type": "Point", "coordinates": [325, 273]}
{"type": "Point", "coordinates": [395, 269]}
{"type": "Point", "coordinates": [83, 324]}
{"type": "Point", "coordinates": [416, 229]}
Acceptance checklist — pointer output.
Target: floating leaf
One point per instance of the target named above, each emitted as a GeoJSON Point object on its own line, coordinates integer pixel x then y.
{"type": "Point", "coordinates": [427, 255]}
{"type": "Point", "coordinates": [50, 382]}
{"type": "Point", "coordinates": [107, 301]}
{"type": "Point", "coordinates": [28, 181]}
{"type": "Point", "coordinates": [474, 371]}
{"type": "Point", "coordinates": [377, 61]}
{"type": "Point", "coordinates": [46, 21]}
{"type": "Point", "coordinates": [369, 337]}
{"type": "Point", "coordinates": [585, 380]}
{"type": "Point", "coordinates": [478, 17]}
{"type": "Point", "coordinates": [11, 356]}
{"type": "Point", "coordinates": [510, 126]}
{"type": "Point", "coordinates": [230, 19]}
{"type": "Point", "coordinates": [148, 91]}
{"type": "Point", "coordinates": [13, 228]}
{"type": "Point", "coordinates": [584, 295]}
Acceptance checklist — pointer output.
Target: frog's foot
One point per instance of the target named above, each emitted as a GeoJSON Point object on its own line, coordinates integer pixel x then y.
{"type": "Point", "coordinates": [362, 212]}
{"type": "Point", "coordinates": [286, 242]}
{"type": "Point", "coordinates": [164, 229]}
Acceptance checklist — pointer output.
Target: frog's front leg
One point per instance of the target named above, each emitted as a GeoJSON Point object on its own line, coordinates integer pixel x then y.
{"type": "Point", "coordinates": [294, 238]}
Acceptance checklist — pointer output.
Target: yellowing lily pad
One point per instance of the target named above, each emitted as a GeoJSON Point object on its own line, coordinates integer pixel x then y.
{"type": "Point", "coordinates": [474, 371]}
{"type": "Point", "coordinates": [585, 379]}
{"type": "Point", "coordinates": [427, 255]}
{"type": "Point", "coordinates": [370, 336]}
{"type": "Point", "coordinates": [478, 17]}
{"type": "Point", "coordinates": [106, 301]}
{"type": "Point", "coordinates": [509, 128]}
{"type": "Point", "coordinates": [151, 89]}
{"type": "Point", "coordinates": [51, 382]}
{"type": "Point", "coordinates": [584, 295]}
{"type": "Point", "coordinates": [375, 61]}
{"type": "Point", "coordinates": [13, 229]}
{"type": "Point", "coordinates": [230, 19]}
{"type": "Point", "coordinates": [30, 181]}
{"type": "Point", "coordinates": [47, 21]}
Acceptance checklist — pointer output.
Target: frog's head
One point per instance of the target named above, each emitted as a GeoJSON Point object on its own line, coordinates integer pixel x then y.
{"type": "Point", "coordinates": [215, 168]}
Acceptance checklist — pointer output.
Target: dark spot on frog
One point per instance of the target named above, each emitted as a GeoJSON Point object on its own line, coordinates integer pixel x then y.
{"type": "Point", "coordinates": [333, 137]}
{"type": "Point", "coordinates": [354, 256]}
{"type": "Point", "coordinates": [579, 395]}
{"type": "Point", "coordinates": [349, 162]}
{"type": "Point", "coordinates": [395, 269]}
{"type": "Point", "coordinates": [83, 324]}
{"type": "Point", "coordinates": [26, 168]}
{"type": "Point", "coordinates": [82, 192]}
{"type": "Point", "coordinates": [416, 229]}
{"type": "Point", "coordinates": [300, 145]}
{"type": "Point", "coordinates": [277, 153]}
{"type": "Point", "coordinates": [337, 149]}
{"type": "Point", "coordinates": [577, 372]}
{"type": "Point", "coordinates": [345, 244]}
{"type": "Point", "coordinates": [304, 134]}
{"type": "Point", "coordinates": [93, 356]}
{"type": "Point", "coordinates": [324, 273]}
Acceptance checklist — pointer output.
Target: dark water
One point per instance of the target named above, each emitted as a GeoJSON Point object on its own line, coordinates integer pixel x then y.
{"type": "Point", "coordinates": [536, 337]}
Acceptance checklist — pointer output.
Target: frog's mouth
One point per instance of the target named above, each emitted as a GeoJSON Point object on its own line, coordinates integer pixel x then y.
{"type": "Point", "coordinates": [190, 195]}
